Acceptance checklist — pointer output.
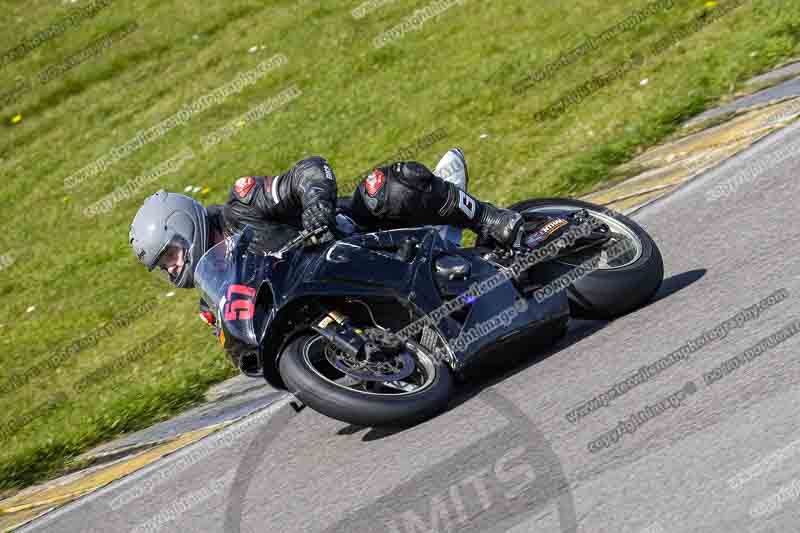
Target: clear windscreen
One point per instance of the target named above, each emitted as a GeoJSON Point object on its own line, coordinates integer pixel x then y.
{"type": "Point", "coordinates": [215, 271]}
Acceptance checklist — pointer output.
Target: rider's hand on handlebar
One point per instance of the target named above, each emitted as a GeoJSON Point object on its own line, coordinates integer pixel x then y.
{"type": "Point", "coordinates": [319, 214]}
{"type": "Point", "coordinates": [318, 219]}
{"type": "Point", "coordinates": [320, 238]}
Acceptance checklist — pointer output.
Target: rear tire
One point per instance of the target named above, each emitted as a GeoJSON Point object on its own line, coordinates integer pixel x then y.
{"type": "Point", "coordinates": [356, 407]}
{"type": "Point", "coordinates": [606, 294]}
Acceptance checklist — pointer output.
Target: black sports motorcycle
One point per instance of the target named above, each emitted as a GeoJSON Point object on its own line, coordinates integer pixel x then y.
{"type": "Point", "coordinates": [372, 328]}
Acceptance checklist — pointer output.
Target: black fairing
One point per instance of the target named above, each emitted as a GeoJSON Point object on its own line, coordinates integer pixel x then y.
{"type": "Point", "coordinates": [373, 268]}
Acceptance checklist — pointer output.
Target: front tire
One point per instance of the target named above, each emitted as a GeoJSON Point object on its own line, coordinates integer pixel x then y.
{"type": "Point", "coordinates": [322, 393]}
{"type": "Point", "coordinates": [607, 293]}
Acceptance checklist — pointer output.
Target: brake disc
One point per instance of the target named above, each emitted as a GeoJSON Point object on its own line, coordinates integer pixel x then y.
{"type": "Point", "coordinates": [388, 367]}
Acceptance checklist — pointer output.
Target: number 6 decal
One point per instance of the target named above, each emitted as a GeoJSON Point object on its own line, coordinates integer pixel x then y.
{"type": "Point", "coordinates": [466, 204]}
{"type": "Point", "coordinates": [242, 308]}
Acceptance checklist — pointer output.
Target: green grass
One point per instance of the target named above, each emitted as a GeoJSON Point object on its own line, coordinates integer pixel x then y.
{"type": "Point", "coordinates": [359, 104]}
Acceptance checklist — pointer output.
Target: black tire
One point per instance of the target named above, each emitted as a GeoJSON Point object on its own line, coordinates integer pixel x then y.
{"type": "Point", "coordinates": [606, 294]}
{"type": "Point", "coordinates": [354, 407]}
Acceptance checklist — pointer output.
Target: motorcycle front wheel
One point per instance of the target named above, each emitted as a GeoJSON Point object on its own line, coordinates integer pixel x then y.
{"type": "Point", "coordinates": [306, 369]}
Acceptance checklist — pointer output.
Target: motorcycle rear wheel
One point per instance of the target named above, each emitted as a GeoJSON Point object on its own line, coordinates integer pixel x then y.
{"type": "Point", "coordinates": [308, 375]}
{"type": "Point", "coordinates": [619, 285]}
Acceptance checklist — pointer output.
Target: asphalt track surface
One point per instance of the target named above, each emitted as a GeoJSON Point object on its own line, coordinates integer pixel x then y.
{"type": "Point", "coordinates": [505, 457]}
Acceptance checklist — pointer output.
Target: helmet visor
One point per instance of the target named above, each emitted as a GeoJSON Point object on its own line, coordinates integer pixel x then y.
{"type": "Point", "coordinates": [173, 259]}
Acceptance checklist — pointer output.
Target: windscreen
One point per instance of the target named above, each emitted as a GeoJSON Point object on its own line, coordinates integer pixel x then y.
{"type": "Point", "coordinates": [215, 271]}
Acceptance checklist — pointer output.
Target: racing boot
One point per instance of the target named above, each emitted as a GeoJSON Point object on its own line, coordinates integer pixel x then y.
{"type": "Point", "coordinates": [488, 221]}
{"type": "Point", "coordinates": [505, 227]}
{"type": "Point", "coordinates": [501, 225]}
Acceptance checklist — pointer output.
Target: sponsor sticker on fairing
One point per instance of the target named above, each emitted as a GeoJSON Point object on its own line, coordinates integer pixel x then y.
{"type": "Point", "coordinates": [543, 233]}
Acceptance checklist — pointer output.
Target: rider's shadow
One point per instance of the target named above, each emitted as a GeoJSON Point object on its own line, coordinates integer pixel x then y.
{"type": "Point", "coordinates": [487, 375]}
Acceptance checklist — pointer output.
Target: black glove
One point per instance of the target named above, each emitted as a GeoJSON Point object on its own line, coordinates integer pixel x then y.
{"type": "Point", "coordinates": [319, 214]}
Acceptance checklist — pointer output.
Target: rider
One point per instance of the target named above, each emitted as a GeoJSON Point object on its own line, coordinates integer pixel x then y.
{"type": "Point", "coordinates": [172, 231]}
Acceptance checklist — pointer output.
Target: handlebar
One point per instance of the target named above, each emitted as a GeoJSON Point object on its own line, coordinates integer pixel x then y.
{"type": "Point", "coordinates": [305, 235]}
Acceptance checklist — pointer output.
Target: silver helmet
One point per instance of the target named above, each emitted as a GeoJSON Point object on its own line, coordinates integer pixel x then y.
{"type": "Point", "coordinates": [170, 220]}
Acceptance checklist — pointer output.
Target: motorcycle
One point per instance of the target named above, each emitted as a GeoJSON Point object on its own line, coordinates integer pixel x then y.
{"type": "Point", "coordinates": [375, 328]}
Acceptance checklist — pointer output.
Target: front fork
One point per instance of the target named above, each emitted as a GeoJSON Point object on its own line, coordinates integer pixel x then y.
{"type": "Point", "coordinates": [339, 330]}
